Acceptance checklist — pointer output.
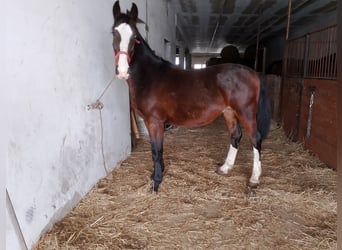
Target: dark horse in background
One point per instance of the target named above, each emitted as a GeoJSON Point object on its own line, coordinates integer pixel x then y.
{"type": "Point", "coordinates": [162, 93]}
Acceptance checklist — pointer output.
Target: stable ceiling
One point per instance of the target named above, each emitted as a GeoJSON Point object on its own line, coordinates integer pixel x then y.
{"type": "Point", "coordinates": [206, 26]}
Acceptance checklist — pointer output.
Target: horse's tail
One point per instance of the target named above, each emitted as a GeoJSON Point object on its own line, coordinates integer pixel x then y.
{"type": "Point", "coordinates": [264, 111]}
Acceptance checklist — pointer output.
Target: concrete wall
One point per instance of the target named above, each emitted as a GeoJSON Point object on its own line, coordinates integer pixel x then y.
{"type": "Point", "coordinates": [59, 58]}
{"type": "Point", "coordinates": [161, 28]}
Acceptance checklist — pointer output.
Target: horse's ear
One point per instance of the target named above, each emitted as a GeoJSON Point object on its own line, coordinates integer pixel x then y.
{"type": "Point", "coordinates": [116, 10]}
{"type": "Point", "coordinates": [139, 20]}
{"type": "Point", "coordinates": [133, 14]}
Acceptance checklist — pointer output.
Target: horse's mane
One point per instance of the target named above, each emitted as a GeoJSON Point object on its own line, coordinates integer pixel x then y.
{"type": "Point", "coordinates": [151, 52]}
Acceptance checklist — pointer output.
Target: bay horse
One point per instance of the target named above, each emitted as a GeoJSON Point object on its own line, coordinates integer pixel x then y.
{"type": "Point", "coordinates": [162, 93]}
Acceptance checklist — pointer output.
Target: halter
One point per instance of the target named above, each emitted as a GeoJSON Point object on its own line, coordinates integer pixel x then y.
{"type": "Point", "coordinates": [121, 52]}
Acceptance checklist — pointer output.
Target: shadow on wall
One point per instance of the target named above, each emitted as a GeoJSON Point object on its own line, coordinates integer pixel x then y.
{"type": "Point", "coordinates": [230, 54]}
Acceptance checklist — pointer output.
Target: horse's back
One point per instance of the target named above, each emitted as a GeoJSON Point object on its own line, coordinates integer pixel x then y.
{"type": "Point", "coordinates": [236, 80]}
{"type": "Point", "coordinates": [220, 76]}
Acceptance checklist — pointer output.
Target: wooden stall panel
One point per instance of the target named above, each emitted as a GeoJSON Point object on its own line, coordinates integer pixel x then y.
{"type": "Point", "coordinates": [273, 83]}
{"type": "Point", "coordinates": [290, 106]}
{"type": "Point", "coordinates": [309, 92]}
{"type": "Point", "coordinates": [292, 85]}
{"type": "Point", "coordinates": [318, 131]}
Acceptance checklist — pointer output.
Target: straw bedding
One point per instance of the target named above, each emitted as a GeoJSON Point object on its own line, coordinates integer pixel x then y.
{"type": "Point", "coordinates": [295, 206]}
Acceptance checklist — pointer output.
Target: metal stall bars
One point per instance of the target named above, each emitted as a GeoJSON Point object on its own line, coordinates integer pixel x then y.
{"type": "Point", "coordinates": [309, 92]}
{"type": "Point", "coordinates": [322, 54]}
{"type": "Point", "coordinates": [321, 63]}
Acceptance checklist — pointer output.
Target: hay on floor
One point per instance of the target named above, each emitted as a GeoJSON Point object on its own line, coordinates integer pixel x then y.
{"type": "Point", "coordinates": [295, 206]}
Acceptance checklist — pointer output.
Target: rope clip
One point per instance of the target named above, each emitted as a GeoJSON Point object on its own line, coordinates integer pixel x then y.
{"type": "Point", "coordinates": [96, 105]}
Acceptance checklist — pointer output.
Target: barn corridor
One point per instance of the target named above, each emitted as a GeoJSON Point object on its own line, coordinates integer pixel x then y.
{"type": "Point", "coordinates": [295, 206]}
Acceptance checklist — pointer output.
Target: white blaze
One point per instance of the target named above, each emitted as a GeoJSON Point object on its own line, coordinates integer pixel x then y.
{"type": "Point", "coordinates": [125, 33]}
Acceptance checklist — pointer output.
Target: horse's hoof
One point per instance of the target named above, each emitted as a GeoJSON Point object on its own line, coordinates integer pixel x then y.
{"type": "Point", "coordinates": [251, 193]}
{"type": "Point", "coordinates": [220, 172]}
{"type": "Point", "coordinates": [152, 191]}
{"type": "Point", "coordinates": [153, 188]}
{"type": "Point", "coordinates": [253, 185]}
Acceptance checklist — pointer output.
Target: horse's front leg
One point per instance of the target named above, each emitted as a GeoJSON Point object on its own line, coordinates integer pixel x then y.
{"type": "Point", "coordinates": [156, 132]}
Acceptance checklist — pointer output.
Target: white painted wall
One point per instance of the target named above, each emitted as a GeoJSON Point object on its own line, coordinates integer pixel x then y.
{"type": "Point", "coordinates": [59, 58]}
{"type": "Point", "coordinates": [161, 27]}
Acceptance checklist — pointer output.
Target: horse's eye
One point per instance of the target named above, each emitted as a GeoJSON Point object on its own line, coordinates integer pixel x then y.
{"type": "Point", "coordinates": [115, 33]}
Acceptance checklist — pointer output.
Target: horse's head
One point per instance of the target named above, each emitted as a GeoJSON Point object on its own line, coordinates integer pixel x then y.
{"type": "Point", "coordinates": [124, 38]}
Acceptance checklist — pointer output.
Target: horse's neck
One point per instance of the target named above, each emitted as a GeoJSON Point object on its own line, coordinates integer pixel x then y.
{"type": "Point", "coordinates": [145, 64]}
{"type": "Point", "coordinates": [146, 55]}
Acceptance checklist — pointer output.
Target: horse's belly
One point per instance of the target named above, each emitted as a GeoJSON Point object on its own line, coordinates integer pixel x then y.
{"type": "Point", "coordinates": [193, 118]}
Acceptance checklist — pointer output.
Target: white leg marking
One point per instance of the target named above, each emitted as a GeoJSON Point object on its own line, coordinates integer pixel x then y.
{"type": "Point", "coordinates": [125, 33]}
{"type": "Point", "coordinates": [230, 160]}
{"type": "Point", "coordinates": [256, 167]}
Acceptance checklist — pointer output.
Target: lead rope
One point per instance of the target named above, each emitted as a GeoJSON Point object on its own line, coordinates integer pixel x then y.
{"type": "Point", "coordinates": [312, 97]}
{"type": "Point", "coordinates": [99, 105]}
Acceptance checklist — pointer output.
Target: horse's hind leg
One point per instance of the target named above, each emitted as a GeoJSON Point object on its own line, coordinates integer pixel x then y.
{"type": "Point", "coordinates": [235, 138]}
{"type": "Point", "coordinates": [256, 172]}
{"type": "Point", "coordinates": [255, 138]}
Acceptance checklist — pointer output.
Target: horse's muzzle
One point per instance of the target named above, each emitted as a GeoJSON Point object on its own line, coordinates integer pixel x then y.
{"type": "Point", "coordinates": [121, 74]}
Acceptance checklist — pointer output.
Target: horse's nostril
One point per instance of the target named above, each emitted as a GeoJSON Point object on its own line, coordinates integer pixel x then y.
{"type": "Point", "coordinates": [123, 75]}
